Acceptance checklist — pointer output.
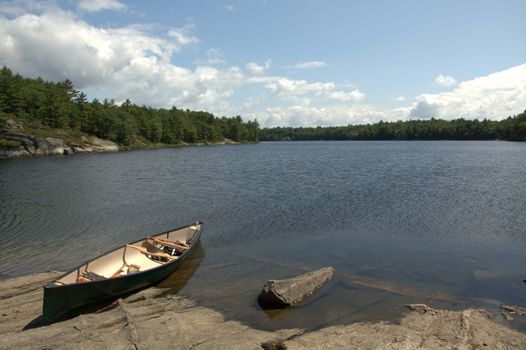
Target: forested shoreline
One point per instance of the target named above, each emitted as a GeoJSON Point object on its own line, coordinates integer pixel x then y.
{"type": "Point", "coordinates": [56, 108]}
{"type": "Point", "coordinates": [57, 105]}
{"type": "Point", "coordinates": [511, 128]}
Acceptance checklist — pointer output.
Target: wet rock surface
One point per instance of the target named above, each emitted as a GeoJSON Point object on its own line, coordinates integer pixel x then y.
{"type": "Point", "coordinates": [293, 291]}
{"type": "Point", "coordinates": [156, 319]}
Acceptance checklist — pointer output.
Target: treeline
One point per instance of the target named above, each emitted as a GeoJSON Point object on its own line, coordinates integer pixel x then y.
{"type": "Point", "coordinates": [512, 128]}
{"type": "Point", "coordinates": [59, 105]}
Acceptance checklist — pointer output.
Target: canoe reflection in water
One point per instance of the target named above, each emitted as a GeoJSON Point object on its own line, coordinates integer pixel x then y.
{"type": "Point", "coordinates": [123, 270]}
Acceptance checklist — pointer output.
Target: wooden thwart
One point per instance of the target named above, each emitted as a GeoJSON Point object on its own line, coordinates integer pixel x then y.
{"type": "Point", "coordinates": [131, 268]}
{"type": "Point", "coordinates": [92, 276]}
{"type": "Point", "coordinates": [147, 252]}
{"type": "Point", "coordinates": [179, 246]}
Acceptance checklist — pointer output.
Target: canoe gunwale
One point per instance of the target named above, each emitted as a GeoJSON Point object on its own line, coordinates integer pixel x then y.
{"type": "Point", "coordinates": [195, 240]}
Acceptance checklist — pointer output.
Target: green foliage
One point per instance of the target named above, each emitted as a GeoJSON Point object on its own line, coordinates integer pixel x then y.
{"type": "Point", "coordinates": [512, 128]}
{"type": "Point", "coordinates": [12, 144]}
{"type": "Point", "coordinates": [49, 106]}
{"type": "Point", "coordinates": [60, 106]}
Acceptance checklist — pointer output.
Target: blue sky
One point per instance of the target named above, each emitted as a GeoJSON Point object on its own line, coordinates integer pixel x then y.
{"type": "Point", "coordinates": [282, 62]}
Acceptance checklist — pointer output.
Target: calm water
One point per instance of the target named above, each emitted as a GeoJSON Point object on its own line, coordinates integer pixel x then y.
{"type": "Point", "coordinates": [437, 222]}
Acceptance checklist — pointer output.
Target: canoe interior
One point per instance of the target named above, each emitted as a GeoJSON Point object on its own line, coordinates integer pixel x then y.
{"type": "Point", "coordinates": [126, 260]}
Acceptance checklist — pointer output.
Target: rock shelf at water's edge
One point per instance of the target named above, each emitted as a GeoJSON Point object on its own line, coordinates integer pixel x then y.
{"type": "Point", "coordinates": [156, 319]}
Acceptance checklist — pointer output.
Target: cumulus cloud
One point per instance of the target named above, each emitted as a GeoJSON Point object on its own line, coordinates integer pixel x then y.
{"type": "Point", "coordinates": [119, 63]}
{"type": "Point", "coordinates": [69, 48]}
{"type": "Point", "coordinates": [304, 91]}
{"type": "Point", "coordinates": [284, 87]}
{"type": "Point", "coordinates": [132, 62]}
{"type": "Point", "coordinates": [309, 65]}
{"type": "Point", "coordinates": [181, 37]}
{"type": "Point", "coordinates": [214, 56]}
{"type": "Point", "coordinates": [297, 115]}
{"type": "Point", "coordinates": [494, 96]}
{"type": "Point", "coordinates": [100, 5]}
{"type": "Point", "coordinates": [444, 81]}
{"type": "Point", "coordinates": [19, 7]}
{"type": "Point", "coordinates": [258, 69]}
{"type": "Point", "coordinates": [352, 96]}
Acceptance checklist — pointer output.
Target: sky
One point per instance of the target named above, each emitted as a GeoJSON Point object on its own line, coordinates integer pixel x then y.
{"type": "Point", "coordinates": [284, 63]}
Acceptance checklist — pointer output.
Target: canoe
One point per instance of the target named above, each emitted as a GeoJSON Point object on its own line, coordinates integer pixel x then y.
{"type": "Point", "coordinates": [123, 270]}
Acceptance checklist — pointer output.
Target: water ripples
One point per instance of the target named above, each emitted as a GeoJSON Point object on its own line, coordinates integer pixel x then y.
{"type": "Point", "coordinates": [57, 212]}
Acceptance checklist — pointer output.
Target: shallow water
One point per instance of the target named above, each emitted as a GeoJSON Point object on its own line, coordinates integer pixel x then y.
{"type": "Point", "coordinates": [435, 222]}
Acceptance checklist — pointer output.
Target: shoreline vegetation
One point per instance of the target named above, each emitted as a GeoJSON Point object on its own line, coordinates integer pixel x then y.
{"type": "Point", "coordinates": [141, 319]}
{"type": "Point", "coordinates": [509, 129]}
{"type": "Point", "coordinates": [39, 117]}
{"type": "Point", "coordinates": [39, 110]}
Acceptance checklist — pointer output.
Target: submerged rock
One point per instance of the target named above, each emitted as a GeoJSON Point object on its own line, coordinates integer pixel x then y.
{"type": "Point", "coordinates": [292, 291]}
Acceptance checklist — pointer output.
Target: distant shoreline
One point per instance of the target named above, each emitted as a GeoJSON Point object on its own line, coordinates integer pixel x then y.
{"type": "Point", "coordinates": [509, 129]}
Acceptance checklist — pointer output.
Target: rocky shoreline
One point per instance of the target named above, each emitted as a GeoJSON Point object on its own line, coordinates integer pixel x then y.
{"type": "Point", "coordinates": [156, 319]}
{"type": "Point", "coordinates": [31, 146]}
{"type": "Point", "coordinates": [22, 144]}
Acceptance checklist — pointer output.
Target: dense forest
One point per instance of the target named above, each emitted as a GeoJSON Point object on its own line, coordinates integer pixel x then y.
{"type": "Point", "coordinates": [512, 128]}
{"type": "Point", "coordinates": [59, 106]}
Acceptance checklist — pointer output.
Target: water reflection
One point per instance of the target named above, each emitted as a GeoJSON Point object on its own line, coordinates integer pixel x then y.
{"type": "Point", "coordinates": [184, 273]}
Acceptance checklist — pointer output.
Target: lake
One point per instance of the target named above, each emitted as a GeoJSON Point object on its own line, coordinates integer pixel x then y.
{"type": "Point", "coordinates": [442, 223]}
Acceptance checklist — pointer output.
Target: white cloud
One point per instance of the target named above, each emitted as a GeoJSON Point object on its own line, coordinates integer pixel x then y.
{"type": "Point", "coordinates": [400, 98]}
{"type": "Point", "coordinates": [308, 65]}
{"type": "Point", "coordinates": [70, 48]}
{"type": "Point", "coordinates": [324, 116]}
{"type": "Point", "coordinates": [304, 92]}
{"type": "Point", "coordinates": [284, 87]}
{"type": "Point", "coordinates": [230, 8]}
{"type": "Point", "coordinates": [19, 7]}
{"type": "Point", "coordinates": [119, 63]}
{"type": "Point", "coordinates": [100, 5]}
{"type": "Point", "coordinates": [214, 56]}
{"type": "Point", "coordinates": [132, 62]}
{"type": "Point", "coordinates": [181, 37]}
{"type": "Point", "coordinates": [494, 96]}
{"type": "Point", "coordinates": [444, 81]}
{"type": "Point", "coordinates": [352, 96]}
{"type": "Point", "coordinates": [258, 69]}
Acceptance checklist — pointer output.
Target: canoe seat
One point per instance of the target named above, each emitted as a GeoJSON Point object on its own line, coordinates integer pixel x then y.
{"type": "Point", "coordinates": [174, 246]}
{"type": "Point", "coordinates": [89, 276]}
{"type": "Point", "coordinates": [131, 269]}
{"type": "Point", "coordinates": [150, 254]}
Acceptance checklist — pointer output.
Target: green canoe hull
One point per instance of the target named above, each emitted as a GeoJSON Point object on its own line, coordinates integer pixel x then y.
{"type": "Point", "coordinates": [62, 300]}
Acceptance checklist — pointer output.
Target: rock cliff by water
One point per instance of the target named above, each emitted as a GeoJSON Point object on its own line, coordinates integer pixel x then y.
{"type": "Point", "coordinates": [19, 143]}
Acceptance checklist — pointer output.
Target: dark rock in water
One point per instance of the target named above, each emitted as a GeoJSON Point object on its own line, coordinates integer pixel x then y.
{"type": "Point", "coordinates": [292, 291]}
